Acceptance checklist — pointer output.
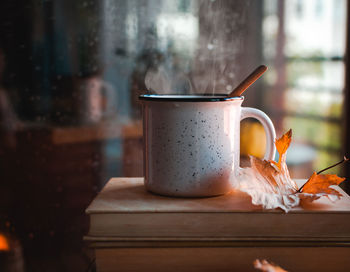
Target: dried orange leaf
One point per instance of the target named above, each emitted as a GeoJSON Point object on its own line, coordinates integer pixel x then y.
{"type": "Point", "coordinates": [269, 183]}
{"type": "Point", "coordinates": [267, 267]}
{"type": "Point", "coordinates": [317, 184]}
{"type": "Point", "coordinates": [265, 169]}
{"type": "Point", "coordinates": [276, 175]}
{"type": "Point", "coordinates": [282, 145]}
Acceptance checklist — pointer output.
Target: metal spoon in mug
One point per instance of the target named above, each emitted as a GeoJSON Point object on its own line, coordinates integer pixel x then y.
{"type": "Point", "coordinates": [249, 80]}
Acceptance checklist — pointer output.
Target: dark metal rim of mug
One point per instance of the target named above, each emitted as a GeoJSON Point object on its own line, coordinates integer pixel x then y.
{"type": "Point", "coordinates": [188, 98]}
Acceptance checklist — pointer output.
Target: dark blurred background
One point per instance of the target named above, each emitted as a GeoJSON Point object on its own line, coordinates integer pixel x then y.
{"type": "Point", "coordinates": [71, 72]}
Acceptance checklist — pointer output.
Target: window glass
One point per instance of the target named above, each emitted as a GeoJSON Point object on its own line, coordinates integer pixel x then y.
{"type": "Point", "coordinates": [71, 73]}
{"type": "Point", "coordinates": [304, 42]}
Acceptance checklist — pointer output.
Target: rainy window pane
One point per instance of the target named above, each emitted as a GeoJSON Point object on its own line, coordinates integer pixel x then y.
{"type": "Point", "coordinates": [71, 73]}
{"type": "Point", "coordinates": [308, 72]}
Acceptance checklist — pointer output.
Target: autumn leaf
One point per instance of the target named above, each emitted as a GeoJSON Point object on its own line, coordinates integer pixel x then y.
{"type": "Point", "coordinates": [318, 184]}
{"type": "Point", "coordinates": [265, 169]}
{"type": "Point", "coordinates": [274, 176]}
{"type": "Point", "coordinates": [265, 266]}
{"type": "Point", "coordinates": [282, 144]}
{"type": "Point", "coordinates": [269, 183]}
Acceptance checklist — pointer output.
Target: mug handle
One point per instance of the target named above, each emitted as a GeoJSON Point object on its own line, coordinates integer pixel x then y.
{"type": "Point", "coordinates": [268, 126]}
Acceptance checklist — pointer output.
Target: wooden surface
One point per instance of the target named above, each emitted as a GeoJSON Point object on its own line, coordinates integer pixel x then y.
{"type": "Point", "coordinates": [97, 132]}
{"type": "Point", "coordinates": [71, 135]}
{"type": "Point", "coordinates": [124, 209]}
{"type": "Point", "coordinates": [128, 195]}
{"type": "Point", "coordinates": [293, 259]}
{"type": "Point", "coordinates": [230, 225]}
{"type": "Point", "coordinates": [209, 234]}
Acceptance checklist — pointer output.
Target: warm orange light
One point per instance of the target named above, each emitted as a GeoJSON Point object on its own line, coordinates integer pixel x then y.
{"type": "Point", "coordinates": [4, 245]}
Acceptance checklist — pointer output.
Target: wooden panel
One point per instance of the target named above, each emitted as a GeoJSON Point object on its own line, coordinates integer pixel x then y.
{"type": "Point", "coordinates": [70, 135]}
{"type": "Point", "coordinates": [222, 259]}
{"type": "Point", "coordinates": [128, 195]}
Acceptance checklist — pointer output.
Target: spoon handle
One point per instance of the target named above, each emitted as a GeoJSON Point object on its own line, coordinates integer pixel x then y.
{"type": "Point", "coordinates": [248, 81]}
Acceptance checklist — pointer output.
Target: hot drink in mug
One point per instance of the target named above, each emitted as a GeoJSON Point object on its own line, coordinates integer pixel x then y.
{"type": "Point", "coordinates": [191, 143]}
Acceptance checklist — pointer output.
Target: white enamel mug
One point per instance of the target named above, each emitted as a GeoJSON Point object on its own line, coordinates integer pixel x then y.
{"type": "Point", "coordinates": [191, 143]}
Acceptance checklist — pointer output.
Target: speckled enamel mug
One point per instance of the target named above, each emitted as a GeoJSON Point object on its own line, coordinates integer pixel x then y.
{"type": "Point", "coordinates": [191, 143]}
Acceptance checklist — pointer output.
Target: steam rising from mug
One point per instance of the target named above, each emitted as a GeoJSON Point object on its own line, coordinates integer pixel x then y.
{"type": "Point", "coordinates": [160, 82]}
{"type": "Point", "coordinates": [207, 58]}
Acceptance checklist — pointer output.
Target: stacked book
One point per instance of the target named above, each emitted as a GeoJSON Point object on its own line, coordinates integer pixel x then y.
{"type": "Point", "coordinates": [132, 229]}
